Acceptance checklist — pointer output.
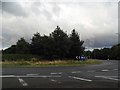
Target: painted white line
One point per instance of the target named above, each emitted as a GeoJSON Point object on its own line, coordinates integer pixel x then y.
{"type": "Point", "coordinates": [8, 76]}
{"type": "Point", "coordinates": [40, 76]}
{"type": "Point", "coordinates": [105, 70]}
{"type": "Point", "coordinates": [107, 78]}
{"type": "Point", "coordinates": [81, 78]}
{"type": "Point", "coordinates": [32, 74]}
{"type": "Point", "coordinates": [76, 72]}
{"type": "Point", "coordinates": [56, 73]}
{"type": "Point", "coordinates": [22, 82]}
{"type": "Point", "coordinates": [53, 80]}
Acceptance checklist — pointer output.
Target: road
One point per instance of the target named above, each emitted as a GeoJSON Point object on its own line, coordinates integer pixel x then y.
{"type": "Point", "coordinates": [104, 75]}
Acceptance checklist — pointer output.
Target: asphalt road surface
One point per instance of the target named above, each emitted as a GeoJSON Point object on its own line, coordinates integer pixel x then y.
{"type": "Point", "coordinates": [92, 76]}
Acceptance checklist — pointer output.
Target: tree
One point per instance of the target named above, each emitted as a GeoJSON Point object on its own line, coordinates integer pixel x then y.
{"type": "Point", "coordinates": [105, 53]}
{"type": "Point", "coordinates": [118, 53]}
{"type": "Point", "coordinates": [88, 54]}
{"type": "Point", "coordinates": [76, 48]}
{"type": "Point", "coordinates": [60, 40]}
{"type": "Point", "coordinates": [22, 47]}
{"type": "Point", "coordinates": [36, 44]}
{"type": "Point", "coordinates": [115, 52]}
{"type": "Point", "coordinates": [10, 50]}
{"type": "Point", "coordinates": [58, 45]}
{"type": "Point", "coordinates": [47, 43]}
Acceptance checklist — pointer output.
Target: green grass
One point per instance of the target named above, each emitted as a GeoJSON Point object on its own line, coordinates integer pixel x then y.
{"type": "Point", "coordinates": [48, 63]}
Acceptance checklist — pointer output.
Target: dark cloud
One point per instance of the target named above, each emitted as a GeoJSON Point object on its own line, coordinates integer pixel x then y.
{"type": "Point", "coordinates": [118, 22]}
{"type": "Point", "coordinates": [14, 8]}
{"type": "Point", "coordinates": [10, 38]}
{"type": "Point", "coordinates": [101, 41]}
{"type": "Point", "coordinates": [90, 20]}
{"type": "Point", "coordinates": [0, 7]}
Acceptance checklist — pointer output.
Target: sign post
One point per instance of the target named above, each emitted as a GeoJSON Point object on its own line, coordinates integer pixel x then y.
{"type": "Point", "coordinates": [82, 58]}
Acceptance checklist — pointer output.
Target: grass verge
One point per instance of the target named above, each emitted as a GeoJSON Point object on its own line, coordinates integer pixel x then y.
{"type": "Point", "coordinates": [48, 63]}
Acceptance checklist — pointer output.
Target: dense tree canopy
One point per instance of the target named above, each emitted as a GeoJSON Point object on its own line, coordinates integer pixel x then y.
{"type": "Point", "coordinates": [115, 52]}
{"type": "Point", "coordinates": [22, 47]}
{"type": "Point", "coordinates": [76, 48]}
{"type": "Point", "coordinates": [58, 45]}
{"type": "Point", "coordinates": [112, 53]}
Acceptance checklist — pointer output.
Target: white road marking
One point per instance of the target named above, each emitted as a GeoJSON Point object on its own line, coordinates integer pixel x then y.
{"type": "Point", "coordinates": [22, 82]}
{"type": "Point", "coordinates": [112, 76]}
{"type": "Point", "coordinates": [8, 76]}
{"type": "Point", "coordinates": [76, 72]}
{"type": "Point", "coordinates": [31, 74]}
{"type": "Point", "coordinates": [53, 80]}
{"type": "Point", "coordinates": [81, 78]}
{"type": "Point", "coordinates": [107, 77]}
{"type": "Point", "coordinates": [105, 70]}
{"type": "Point", "coordinates": [40, 76]}
{"type": "Point", "coordinates": [56, 73]}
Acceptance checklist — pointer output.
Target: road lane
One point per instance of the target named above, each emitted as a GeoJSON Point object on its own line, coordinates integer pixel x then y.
{"type": "Point", "coordinates": [91, 76]}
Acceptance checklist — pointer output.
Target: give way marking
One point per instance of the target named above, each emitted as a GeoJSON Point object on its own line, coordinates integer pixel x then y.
{"type": "Point", "coordinates": [78, 78]}
{"type": "Point", "coordinates": [108, 77]}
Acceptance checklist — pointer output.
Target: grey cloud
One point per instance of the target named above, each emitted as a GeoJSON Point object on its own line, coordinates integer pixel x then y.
{"type": "Point", "coordinates": [0, 5]}
{"type": "Point", "coordinates": [36, 23]}
{"type": "Point", "coordinates": [37, 4]}
{"type": "Point", "coordinates": [119, 22]}
{"type": "Point", "coordinates": [100, 41]}
{"type": "Point", "coordinates": [0, 8]}
{"type": "Point", "coordinates": [10, 38]}
{"type": "Point", "coordinates": [34, 7]}
{"type": "Point", "coordinates": [56, 9]}
{"type": "Point", "coordinates": [14, 8]}
{"type": "Point", "coordinates": [47, 14]}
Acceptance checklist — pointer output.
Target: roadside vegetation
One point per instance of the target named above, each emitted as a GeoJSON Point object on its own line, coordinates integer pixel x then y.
{"type": "Point", "coordinates": [57, 49]}
{"type": "Point", "coordinates": [19, 57]}
{"type": "Point", "coordinates": [36, 63]}
{"type": "Point", "coordinates": [57, 45]}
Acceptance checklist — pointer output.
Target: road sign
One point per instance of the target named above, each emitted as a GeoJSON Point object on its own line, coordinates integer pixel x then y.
{"type": "Point", "coordinates": [82, 57]}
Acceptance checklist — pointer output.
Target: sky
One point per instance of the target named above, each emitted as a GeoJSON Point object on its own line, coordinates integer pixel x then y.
{"type": "Point", "coordinates": [96, 22]}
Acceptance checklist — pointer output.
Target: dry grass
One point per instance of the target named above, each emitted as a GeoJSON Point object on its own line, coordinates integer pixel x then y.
{"type": "Point", "coordinates": [48, 63]}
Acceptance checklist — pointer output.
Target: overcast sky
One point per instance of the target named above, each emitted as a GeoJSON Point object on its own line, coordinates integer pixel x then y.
{"type": "Point", "coordinates": [96, 22]}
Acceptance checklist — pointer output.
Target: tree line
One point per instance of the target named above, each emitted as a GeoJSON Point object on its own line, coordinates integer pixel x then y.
{"type": "Point", "coordinates": [112, 53]}
{"type": "Point", "coordinates": [58, 45]}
